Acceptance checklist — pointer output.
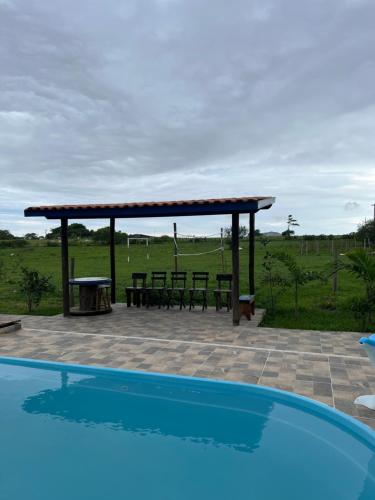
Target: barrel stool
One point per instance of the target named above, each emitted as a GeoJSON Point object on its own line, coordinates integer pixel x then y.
{"type": "Point", "coordinates": [247, 306]}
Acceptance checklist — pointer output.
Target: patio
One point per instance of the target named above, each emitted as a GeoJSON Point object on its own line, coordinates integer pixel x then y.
{"type": "Point", "coordinates": [327, 366]}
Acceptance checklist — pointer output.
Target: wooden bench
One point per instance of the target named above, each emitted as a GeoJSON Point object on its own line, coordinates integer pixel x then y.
{"type": "Point", "coordinates": [247, 306]}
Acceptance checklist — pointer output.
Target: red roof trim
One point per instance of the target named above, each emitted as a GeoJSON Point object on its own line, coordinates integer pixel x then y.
{"type": "Point", "coordinates": [210, 201]}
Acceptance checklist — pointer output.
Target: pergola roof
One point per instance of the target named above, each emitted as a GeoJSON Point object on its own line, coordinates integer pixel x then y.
{"type": "Point", "coordinates": [214, 206]}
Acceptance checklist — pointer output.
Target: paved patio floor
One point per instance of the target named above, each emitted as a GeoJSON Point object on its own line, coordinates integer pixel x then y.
{"type": "Point", "coordinates": [326, 366]}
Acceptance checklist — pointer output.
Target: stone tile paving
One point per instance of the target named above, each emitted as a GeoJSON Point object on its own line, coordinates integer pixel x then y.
{"type": "Point", "coordinates": [327, 366]}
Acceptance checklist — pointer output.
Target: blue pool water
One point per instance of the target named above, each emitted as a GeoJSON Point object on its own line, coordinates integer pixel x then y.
{"type": "Point", "coordinates": [69, 432]}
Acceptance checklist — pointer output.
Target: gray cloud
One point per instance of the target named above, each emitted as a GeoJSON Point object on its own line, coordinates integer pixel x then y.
{"type": "Point", "coordinates": [351, 206]}
{"type": "Point", "coordinates": [153, 99]}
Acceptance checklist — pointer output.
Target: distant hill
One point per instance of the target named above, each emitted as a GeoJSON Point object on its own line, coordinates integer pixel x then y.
{"type": "Point", "coordinates": [271, 234]}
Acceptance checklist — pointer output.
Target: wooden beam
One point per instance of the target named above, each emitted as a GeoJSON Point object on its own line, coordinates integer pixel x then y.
{"type": "Point", "coordinates": [252, 253]}
{"type": "Point", "coordinates": [112, 253]}
{"type": "Point", "coordinates": [65, 266]}
{"type": "Point", "coordinates": [235, 269]}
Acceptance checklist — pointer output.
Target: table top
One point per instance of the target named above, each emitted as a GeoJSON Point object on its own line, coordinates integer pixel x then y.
{"type": "Point", "coordinates": [90, 281]}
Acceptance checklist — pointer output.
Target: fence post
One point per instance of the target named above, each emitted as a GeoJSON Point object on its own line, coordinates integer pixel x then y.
{"type": "Point", "coordinates": [335, 269]}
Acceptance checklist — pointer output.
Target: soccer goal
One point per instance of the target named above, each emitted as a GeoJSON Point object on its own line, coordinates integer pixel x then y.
{"type": "Point", "coordinates": [134, 240]}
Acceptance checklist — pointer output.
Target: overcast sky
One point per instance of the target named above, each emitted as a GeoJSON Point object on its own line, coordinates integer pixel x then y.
{"type": "Point", "coordinates": [105, 101]}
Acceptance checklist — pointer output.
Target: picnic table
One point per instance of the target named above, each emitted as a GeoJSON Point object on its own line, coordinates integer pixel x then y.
{"type": "Point", "coordinates": [93, 295]}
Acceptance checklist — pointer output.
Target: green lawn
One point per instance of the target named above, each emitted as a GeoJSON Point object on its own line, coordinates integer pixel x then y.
{"type": "Point", "coordinates": [94, 261]}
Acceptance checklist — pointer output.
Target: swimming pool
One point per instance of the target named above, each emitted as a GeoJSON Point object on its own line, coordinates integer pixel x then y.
{"type": "Point", "coordinates": [74, 432]}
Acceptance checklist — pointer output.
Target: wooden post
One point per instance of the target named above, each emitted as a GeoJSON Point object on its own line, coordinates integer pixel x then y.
{"type": "Point", "coordinates": [72, 275]}
{"type": "Point", "coordinates": [65, 266]}
{"type": "Point", "coordinates": [175, 246]}
{"type": "Point", "coordinates": [112, 249]}
{"type": "Point", "coordinates": [252, 253]}
{"type": "Point", "coordinates": [335, 272]}
{"type": "Point", "coordinates": [235, 269]}
{"type": "Point", "coordinates": [222, 249]}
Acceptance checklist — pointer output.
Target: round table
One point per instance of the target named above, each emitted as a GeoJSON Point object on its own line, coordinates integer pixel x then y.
{"type": "Point", "coordinates": [88, 294]}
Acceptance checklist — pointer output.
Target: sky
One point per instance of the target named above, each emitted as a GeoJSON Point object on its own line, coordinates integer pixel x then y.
{"type": "Point", "coordinates": [113, 101]}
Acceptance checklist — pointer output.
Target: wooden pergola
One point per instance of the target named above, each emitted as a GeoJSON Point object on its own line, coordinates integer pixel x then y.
{"type": "Point", "coordinates": [183, 208]}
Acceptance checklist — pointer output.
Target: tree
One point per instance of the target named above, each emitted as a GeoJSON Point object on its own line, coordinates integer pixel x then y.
{"type": "Point", "coordinates": [243, 232]}
{"type": "Point", "coordinates": [33, 285]}
{"type": "Point", "coordinates": [102, 235]}
{"type": "Point", "coordinates": [75, 231]}
{"type": "Point", "coordinates": [362, 265]}
{"type": "Point", "coordinates": [298, 276]}
{"type": "Point", "coordinates": [271, 278]}
{"type": "Point", "coordinates": [31, 236]}
{"type": "Point", "coordinates": [6, 235]}
{"type": "Point", "coordinates": [366, 231]}
{"type": "Point", "coordinates": [291, 222]}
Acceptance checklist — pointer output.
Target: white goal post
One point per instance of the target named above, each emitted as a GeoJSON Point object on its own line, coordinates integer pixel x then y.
{"type": "Point", "coordinates": [140, 239]}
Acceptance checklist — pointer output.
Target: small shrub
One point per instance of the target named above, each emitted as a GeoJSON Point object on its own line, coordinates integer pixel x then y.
{"type": "Point", "coordinates": [33, 285]}
{"type": "Point", "coordinates": [328, 303]}
{"type": "Point", "coordinates": [274, 283]}
{"type": "Point", "coordinates": [298, 275]}
{"type": "Point", "coordinates": [361, 308]}
{"type": "Point", "coordinates": [362, 265]}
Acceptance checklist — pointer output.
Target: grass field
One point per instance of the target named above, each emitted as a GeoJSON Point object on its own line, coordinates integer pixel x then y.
{"type": "Point", "coordinates": [315, 297]}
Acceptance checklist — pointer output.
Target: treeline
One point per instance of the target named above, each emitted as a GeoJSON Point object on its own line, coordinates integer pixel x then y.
{"type": "Point", "coordinates": [364, 236]}
{"type": "Point", "coordinates": [77, 233]}
{"type": "Point", "coordinates": [8, 240]}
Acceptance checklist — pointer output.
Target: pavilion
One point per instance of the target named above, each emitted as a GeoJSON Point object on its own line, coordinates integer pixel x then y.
{"type": "Point", "coordinates": [182, 208]}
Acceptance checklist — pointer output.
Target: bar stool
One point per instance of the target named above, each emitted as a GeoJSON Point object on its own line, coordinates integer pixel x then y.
{"type": "Point", "coordinates": [103, 298]}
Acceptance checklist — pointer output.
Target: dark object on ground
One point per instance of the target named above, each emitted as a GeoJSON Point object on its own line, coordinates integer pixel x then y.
{"type": "Point", "coordinates": [10, 326]}
{"type": "Point", "coordinates": [247, 306]}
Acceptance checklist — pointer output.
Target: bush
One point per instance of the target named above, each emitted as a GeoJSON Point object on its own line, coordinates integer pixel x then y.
{"type": "Point", "coordinates": [33, 285]}
{"type": "Point", "coordinates": [16, 243]}
{"type": "Point", "coordinates": [52, 243]}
